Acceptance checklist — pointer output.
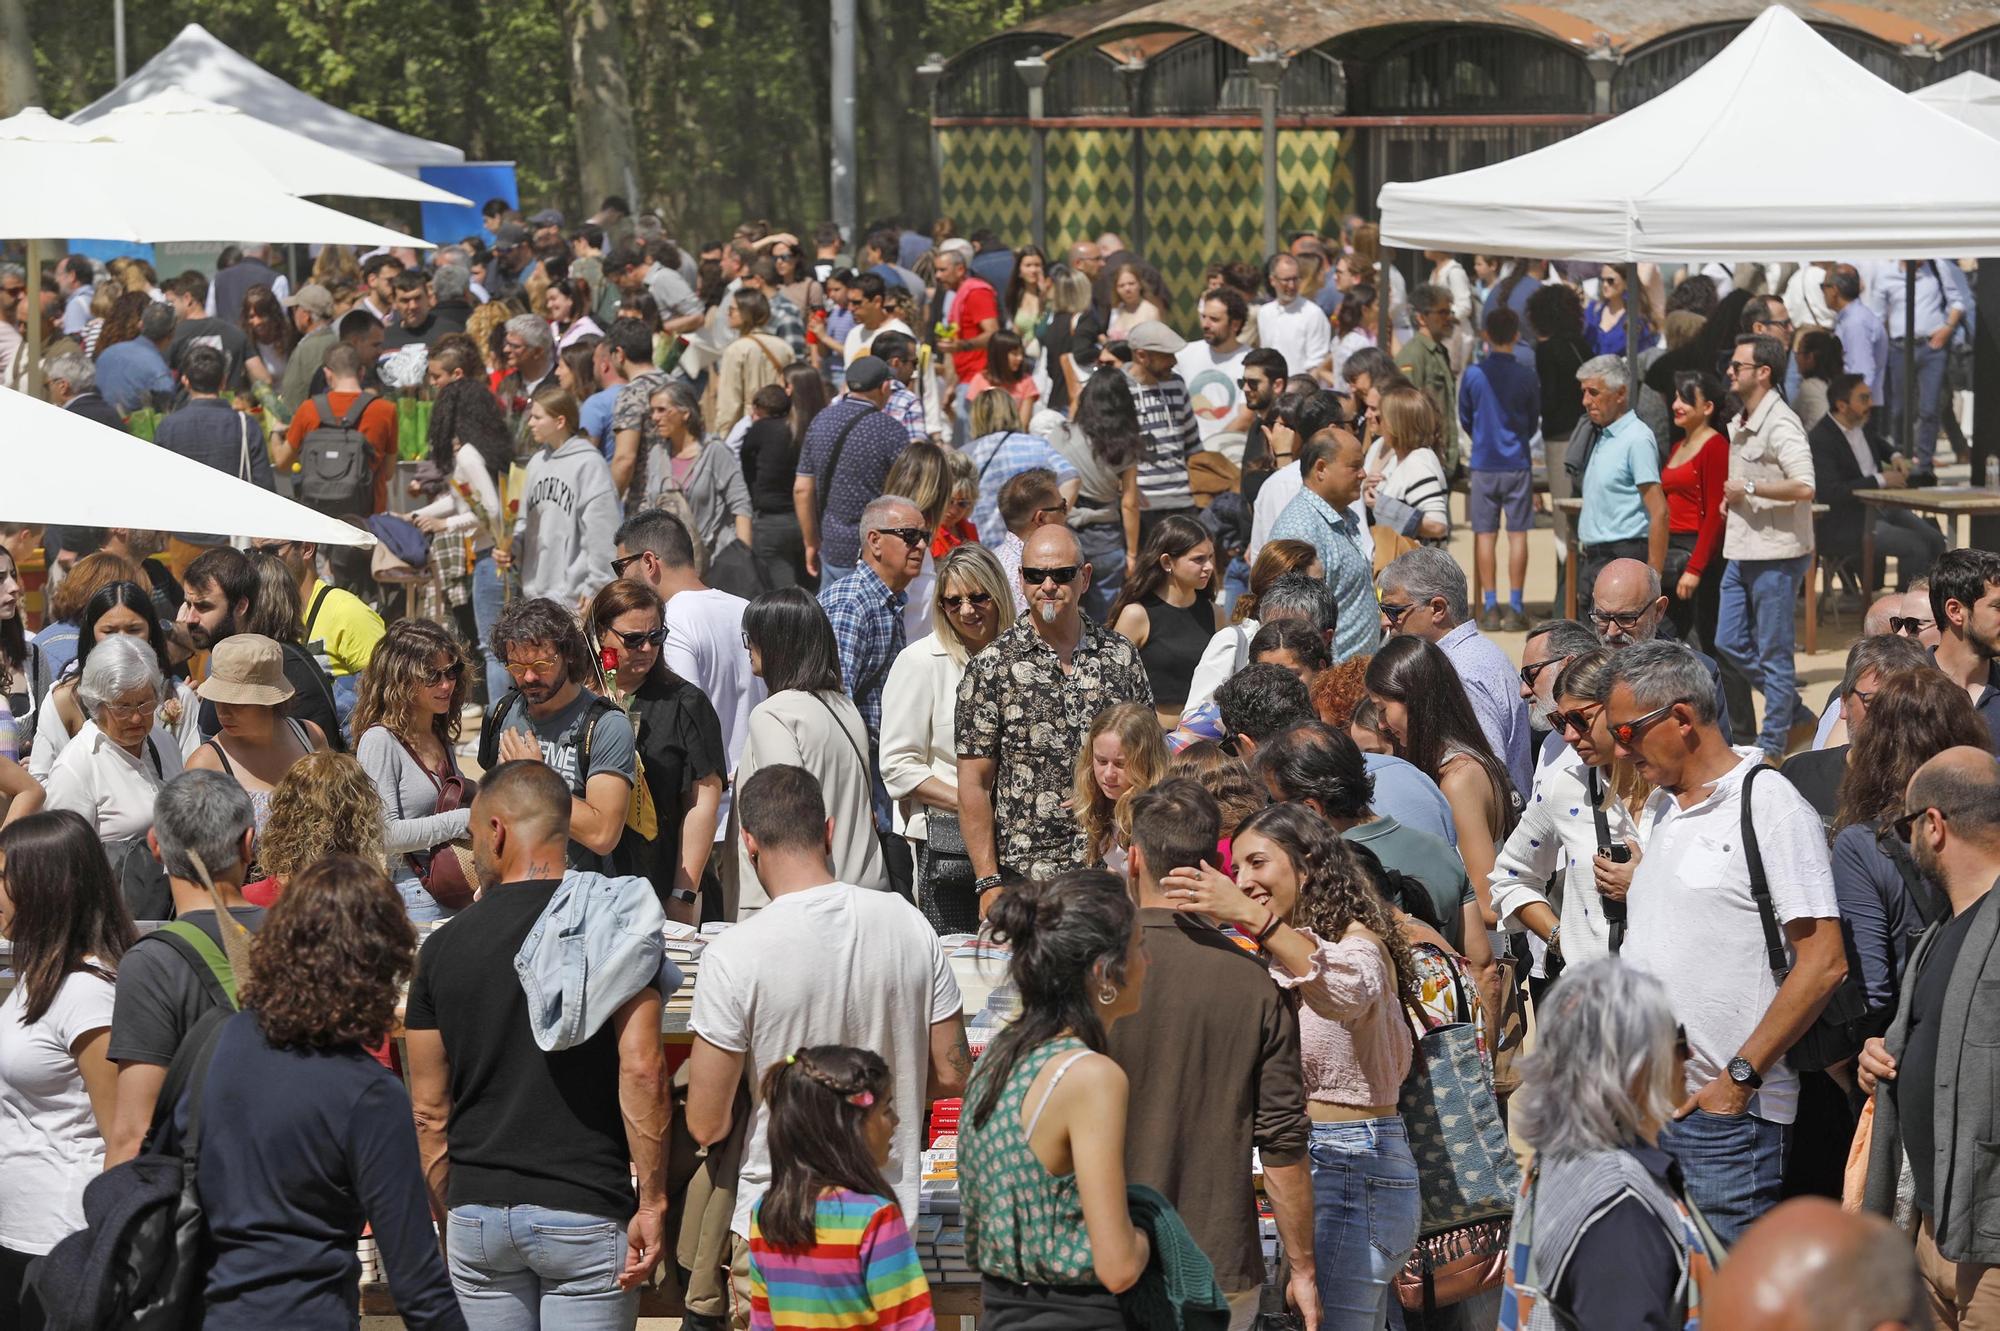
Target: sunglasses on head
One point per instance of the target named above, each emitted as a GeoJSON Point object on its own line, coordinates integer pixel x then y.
{"type": "Point", "coordinates": [1627, 733]}
{"type": "Point", "coordinates": [1908, 625]}
{"type": "Point", "coordinates": [1062, 577]}
{"type": "Point", "coordinates": [643, 638]}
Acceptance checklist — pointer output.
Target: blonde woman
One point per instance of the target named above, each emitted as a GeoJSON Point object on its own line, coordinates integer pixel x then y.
{"type": "Point", "coordinates": [1134, 302]}
{"type": "Point", "coordinates": [922, 473]}
{"type": "Point", "coordinates": [326, 805]}
{"type": "Point", "coordinates": [406, 727]}
{"type": "Point", "coordinates": [1403, 479]}
{"type": "Point", "coordinates": [970, 606]}
{"type": "Point", "coordinates": [757, 357]}
{"type": "Point", "coordinates": [1123, 754]}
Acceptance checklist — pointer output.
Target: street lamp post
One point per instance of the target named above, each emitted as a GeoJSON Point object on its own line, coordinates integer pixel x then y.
{"type": "Point", "coordinates": [1034, 72]}
{"type": "Point", "coordinates": [929, 74]}
{"type": "Point", "coordinates": [1268, 67]}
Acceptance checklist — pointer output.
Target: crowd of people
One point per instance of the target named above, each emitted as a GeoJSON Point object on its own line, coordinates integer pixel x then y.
{"type": "Point", "coordinates": [832, 607]}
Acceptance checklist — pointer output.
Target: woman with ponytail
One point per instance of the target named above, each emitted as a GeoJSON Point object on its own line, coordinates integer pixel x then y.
{"type": "Point", "coordinates": [828, 1244]}
{"type": "Point", "coordinates": [1042, 1143]}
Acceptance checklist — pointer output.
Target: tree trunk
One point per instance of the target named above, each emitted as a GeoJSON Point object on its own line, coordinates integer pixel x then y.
{"type": "Point", "coordinates": [895, 152]}
{"type": "Point", "coordinates": [606, 159]}
{"type": "Point", "coordinates": [18, 88]}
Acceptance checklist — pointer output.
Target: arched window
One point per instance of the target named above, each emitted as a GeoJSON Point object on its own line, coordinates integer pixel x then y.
{"type": "Point", "coordinates": [1472, 71]}
{"type": "Point", "coordinates": [1652, 70]}
{"type": "Point", "coordinates": [1086, 83]}
{"type": "Point", "coordinates": [984, 82]}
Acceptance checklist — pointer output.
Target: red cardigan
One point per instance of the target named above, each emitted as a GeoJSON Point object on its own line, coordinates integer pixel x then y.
{"type": "Point", "coordinates": [1694, 499]}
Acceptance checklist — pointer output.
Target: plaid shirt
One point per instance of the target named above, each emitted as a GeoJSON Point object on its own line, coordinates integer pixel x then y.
{"type": "Point", "coordinates": [786, 322]}
{"type": "Point", "coordinates": [867, 623]}
{"type": "Point", "coordinates": [908, 408]}
{"type": "Point", "coordinates": [1000, 457]}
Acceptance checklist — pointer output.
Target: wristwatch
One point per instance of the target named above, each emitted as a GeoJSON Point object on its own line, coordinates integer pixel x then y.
{"type": "Point", "coordinates": [683, 894]}
{"type": "Point", "coordinates": [1750, 488]}
{"type": "Point", "coordinates": [1555, 939]}
{"type": "Point", "coordinates": [1743, 1074]}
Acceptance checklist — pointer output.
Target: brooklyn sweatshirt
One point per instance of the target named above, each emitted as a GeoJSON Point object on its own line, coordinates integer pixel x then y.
{"type": "Point", "coordinates": [569, 523]}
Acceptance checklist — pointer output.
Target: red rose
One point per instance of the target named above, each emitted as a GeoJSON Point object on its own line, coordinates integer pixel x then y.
{"type": "Point", "coordinates": [608, 658]}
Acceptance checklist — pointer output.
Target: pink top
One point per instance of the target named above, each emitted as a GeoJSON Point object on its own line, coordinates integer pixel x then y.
{"type": "Point", "coordinates": [1354, 1042]}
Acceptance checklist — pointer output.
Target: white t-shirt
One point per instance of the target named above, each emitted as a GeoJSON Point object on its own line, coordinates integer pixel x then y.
{"type": "Point", "coordinates": [1417, 478]}
{"type": "Point", "coordinates": [1693, 924]}
{"type": "Point", "coordinates": [1212, 385]}
{"type": "Point", "coordinates": [834, 964]}
{"type": "Point", "coordinates": [859, 339]}
{"type": "Point", "coordinates": [111, 789]}
{"type": "Point", "coordinates": [1302, 334]}
{"type": "Point", "coordinates": [50, 1145]}
{"type": "Point", "coordinates": [705, 646]}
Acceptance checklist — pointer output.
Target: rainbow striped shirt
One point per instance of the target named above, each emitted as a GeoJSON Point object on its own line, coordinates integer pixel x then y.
{"type": "Point", "coordinates": [862, 1270]}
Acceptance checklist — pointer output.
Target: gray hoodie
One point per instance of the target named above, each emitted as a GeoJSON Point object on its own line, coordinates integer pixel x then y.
{"type": "Point", "coordinates": [569, 523]}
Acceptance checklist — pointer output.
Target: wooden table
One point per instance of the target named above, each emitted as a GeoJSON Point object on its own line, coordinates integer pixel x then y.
{"type": "Point", "coordinates": [1953, 503]}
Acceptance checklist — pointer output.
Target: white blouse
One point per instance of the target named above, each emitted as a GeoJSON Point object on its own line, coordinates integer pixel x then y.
{"type": "Point", "coordinates": [113, 790]}
{"type": "Point", "coordinates": [180, 717]}
{"type": "Point", "coordinates": [469, 469]}
{"type": "Point", "coordinates": [1557, 831]}
{"type": "Point", "coordinates": [919, 716]}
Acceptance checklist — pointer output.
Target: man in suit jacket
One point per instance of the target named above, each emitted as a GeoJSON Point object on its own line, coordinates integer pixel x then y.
{"type": "Point", "coordinates": [1848, 455]}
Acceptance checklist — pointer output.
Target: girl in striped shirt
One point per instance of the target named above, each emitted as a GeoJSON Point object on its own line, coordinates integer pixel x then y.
{"type": "Point", "coordinates": [828, 1244]}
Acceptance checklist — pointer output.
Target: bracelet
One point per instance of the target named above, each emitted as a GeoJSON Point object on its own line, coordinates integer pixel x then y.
{"type": "Point", "coordinates": [684, 894]}
{"type": "Point", "coordinates": [990, 881]}
{"type": "Point", "coordinates": [1264, 934]}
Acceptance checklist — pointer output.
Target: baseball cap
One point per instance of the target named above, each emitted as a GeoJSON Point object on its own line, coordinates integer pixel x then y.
{"type": "Point", "coordinates": [1153, 335]}
{"type": "Point", "coordinates": [957, 245]}
{"type": "Point", "coordinates": [868, 373]}
{"type": "Point", "coordinates": [547, 217]}
{"type": "Point", "coordinates": [313, 298]}
{"type": "Point", "coordinates": [509, 235]}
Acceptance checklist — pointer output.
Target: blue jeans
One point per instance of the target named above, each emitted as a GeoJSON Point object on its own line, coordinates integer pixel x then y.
{"type": "Point", "coordinates": [1931, 362]}
{"type": "Point", "coordinates": [489, 598]}
{"type": "Point", "coordinates": [520, 1268]}
{"type": "Point", "coordinates": [346, 693]}
{"type": "Point", "coordinates": [1365, 1214]}
{"type": "Point", "coordinates": [1734, 1167]}
{"type": "Point", "coordinates": [1754, 630]}
{"type": "Point", "coordinates": [830, 573]}
{"type": "Point", "coordinates": [1103, 545]}
{"type": "Point", "coordinates": [421, 905]}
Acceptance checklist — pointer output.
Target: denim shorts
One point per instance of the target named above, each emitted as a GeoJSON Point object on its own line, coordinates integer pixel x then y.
{"type": "Point", "coordinates": [1493, 493]}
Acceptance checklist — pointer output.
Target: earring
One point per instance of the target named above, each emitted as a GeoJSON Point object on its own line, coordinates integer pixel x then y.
{"type": "Point", "coordinates": [1107, 995]}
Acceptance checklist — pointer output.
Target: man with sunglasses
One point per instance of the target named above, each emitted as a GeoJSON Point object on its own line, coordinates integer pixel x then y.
{"type": "Point", "coordinates": [1693, 924]}
{"type": "Point", "coordinates": [1965, 603]}
{"type": "Point", "coordinates": [1024, 707]}
{"type": "Point", "coordinates": [1626, 606]}
{"type": "Point", "coordinates": [1935, 1072]}
{"type": "Point", "coordinates": [13, 345]}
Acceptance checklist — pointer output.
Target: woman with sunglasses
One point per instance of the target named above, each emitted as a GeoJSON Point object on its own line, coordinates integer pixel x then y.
{"type": "Point", "coordinates": [1587, 806]}
{"type": "Point", "coordinates": [682, 760]}
{"type": "Point", "coordinates": [1692, 478]}
{"type": "Point", "coordinates": [406, 726]}
{"type": "Point", "coordinates": [919, 720]}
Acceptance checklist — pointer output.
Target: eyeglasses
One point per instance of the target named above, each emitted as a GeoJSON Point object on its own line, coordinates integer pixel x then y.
{"type": "Point", "coordinates": [643, 638]}
{"type": "Point", "coordinates": [520, 668]}
{"type": "Point", "coordinates": [1741, 367]}
{"type": "Point", "coordinates": [433, 678]}
{"type": "Point", "coordinates": [269, 547]}
{"type": "Point", "coordinates": [1902, 827]}
{"type": "Point", "coordinates": [1867, 696]}
{"type": "Point", "coordinates": [1062, 577]}
{"type": "Point", "coordinates": [1060, 506]}
{"type": "Point", "coordinates": [970, 600]}
{"type": "Point", "coordinates": [910, 536]}
{"type": "Point", "coordinates": [1530, 673]}
{"type": "Point", "coordinates": [782, 254]}
{"type": "Point", "coordinates": [1578, 720]}
{"type": "Point", "coordinates": [1909, 626]}
{"type": "Point", "coordinates": [1624, 619]}
{"type": "Point", "coordinates": [618, 566]}
{"type": "Point", "coordinates": [1627, 733]}
{"type": "Point", "coordinates": [132, 711]}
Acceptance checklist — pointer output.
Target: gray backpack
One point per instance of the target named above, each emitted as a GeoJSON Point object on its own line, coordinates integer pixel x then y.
{"type": "Point", "coordinates": [334, 461]}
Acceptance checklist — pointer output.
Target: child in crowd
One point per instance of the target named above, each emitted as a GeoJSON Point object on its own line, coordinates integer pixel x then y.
{"type": "Point", "coordinates": [1124, 753]}
{"type": "Point", "coordinates": [1365, 729]}
{"type": "Point", "coordinates": [1500, 405]}
{"type": "Point", "coordinates": [828, 1244]}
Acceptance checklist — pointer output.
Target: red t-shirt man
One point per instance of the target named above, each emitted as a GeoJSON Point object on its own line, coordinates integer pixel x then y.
{"type": "Point", "coordinates": [378, 426]}
{"type": "Point", "coordinates": [973, 304]}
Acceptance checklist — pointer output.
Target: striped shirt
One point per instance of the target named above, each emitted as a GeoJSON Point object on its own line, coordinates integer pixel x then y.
{"type": "Point", "coordinates": [862, 1271]}
{"type": "Point", "coordinates": [1166, 417]}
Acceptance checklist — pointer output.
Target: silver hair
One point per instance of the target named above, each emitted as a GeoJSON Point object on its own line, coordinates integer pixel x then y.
{"type": "Point", "coordinates": [1299, 596]}
{"type": "Point", "coordinates": [13, 270]}
{"type": "Point", "coordinates": [1609, 369]}
{"type": "Point", "coordinates": [532, 330]}
{"type": "Point", "coordinates": [1660, 673]}
{"type": "Point", "coordinates": [117, 666]}
{"type": "Point", "coordinates": [449, 282]}
{"type": "Point", "coordinates": [1427, 572]}
{"type": "Point", "coordinates": [685, 399]}
{"type": "Point", "coordinates": [158, 322]}
{"type": "Point", "coordinates": [73, 368]}
{"type": "Point", "coordinates": [1603, 1068]}
{"type": "Point", "coordinates": [877, 512]}
{"type": "Point", "coordinates": [451, 256]}
{"type": "Point", "coordinates": [1566, 637]}
{"type": "Point", "coordinates": [201, 813]}
{"type": "Point", "coordinates": [1884, 654]}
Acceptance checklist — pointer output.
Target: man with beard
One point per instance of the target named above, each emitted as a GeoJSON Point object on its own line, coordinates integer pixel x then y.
{"type": "Point", "coordinates": [550, 717]}
{"type": "Point", "coordinates": [1965, 602]}
{"type": "Point", "coordinates": [220, 587]}
{"type": "Point", "coordinates": [1549, 647]}
{"type": "Point", "coordinates": [1212, 367]}
{"type": "Point", "coordinates": [338, 626]}
{"type": "Point", "coordinates": [1934, 1073]}
{"type": "Point", "coordinates": [1024, 707]}
{"type": "Point", "coordinates": [1626, 607]}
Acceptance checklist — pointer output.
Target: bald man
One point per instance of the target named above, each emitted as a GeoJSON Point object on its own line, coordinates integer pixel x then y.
{"type": "Point", "coordinates": [1627, 606]}
{"type": "Point", "coordinates": [1810, 1266]}
{"type": "Point", "coordinates": [1024, 708]}
{"type": "Point", "coordinates": [1935, 1074]}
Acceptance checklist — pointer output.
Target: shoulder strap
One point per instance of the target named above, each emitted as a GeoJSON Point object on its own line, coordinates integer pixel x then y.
{"type": "Point", "coordinates": [1931, 904]}
{"type": "Point", "coordinates": [1597, 817]}
{"type": "Point", "coordinates": [319, 599]}
{"type": "Point", "coordinates": [1005, 435]}
{"type": "Point", "coordinates": [769, 354]}
{"type": "Point", "coordinates": [1062, 1070]}
{"type": "Point", "coordinates": [598, 706]}
{"type": "Point", "coordinates": [489, 734]}
{"type": "Point", "coordinates": [824, 490]}
{"type": "Point", "coordinates": [200, 952]}
{"type": "Point", "coordinates": [418, 760]}
{"type": "Point", "coordinates": [188, 1074]}
{"type": "Point", "coordinates": [228, 769]}
{"type": "Point", "coordinates": [1760, 887]}
{"type": "Point", "coordinates": [867, 771]}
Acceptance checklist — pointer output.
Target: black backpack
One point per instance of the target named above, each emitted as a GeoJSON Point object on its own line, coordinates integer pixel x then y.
{"type": "Point", "coordinates": [139, 1261]}
{"type": "Point", "coordinates": [496, 721]}
{"type": "Point", "coordinates": [335, 461]}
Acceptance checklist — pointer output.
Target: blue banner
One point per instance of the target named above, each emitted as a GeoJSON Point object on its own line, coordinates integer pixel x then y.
{"type": "Point", "coordinates": [445, 223]}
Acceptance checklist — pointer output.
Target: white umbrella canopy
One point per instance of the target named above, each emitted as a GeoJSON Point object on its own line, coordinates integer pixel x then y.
{"type": "Point", "coordinates": [1970, 98]}
{"type": "Point", "coordinates": [179, 125]}
{"type": "Point", "coordinates": [1697, 173]}
{"type": "Point", "coordinates": [64, 469]}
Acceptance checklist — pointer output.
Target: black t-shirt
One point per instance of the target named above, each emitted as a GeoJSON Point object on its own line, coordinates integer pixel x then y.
{"type": "Point", "coordinates": [161, 996]}
{"type": "Point", "coordinates": [770, 464]}
{"type": "Point", "coordinates": [223, 336]}
{"type": "Point", "coordinates": [312, 698]}
{"type": "Point", "coordinates": [527, 1128]}
{"type": "Point", "coordinates": [680, 743]}
{"type": "Point", "coordinates": [1916, 1071]}
{"type": "Point", "coordinates": [1817, 774]}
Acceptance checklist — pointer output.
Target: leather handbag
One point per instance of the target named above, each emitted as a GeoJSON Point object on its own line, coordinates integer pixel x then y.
{"type": "Point", "coordinates": [1454, 1266]}
{"type": "Point", "coordinates": [446, 871]}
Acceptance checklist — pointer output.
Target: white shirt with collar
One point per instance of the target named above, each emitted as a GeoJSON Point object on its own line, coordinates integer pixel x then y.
{"type": "Point", "coordinates": [919, 728]}
{"type": "Point", "coordinates": [110, 788]}
{"type": "Point", "coordinates": [1769, 445]}
{"type": "Point", "coordinates": [1558, 832]}
{"type": "Point", "coordinates": [1693, 925]}
{"type": "Point", "coordinates": [1864, 456]}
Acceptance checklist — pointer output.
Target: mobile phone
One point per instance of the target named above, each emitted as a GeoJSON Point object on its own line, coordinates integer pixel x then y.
{"type": "Point", "coordinates": [1618, 854]}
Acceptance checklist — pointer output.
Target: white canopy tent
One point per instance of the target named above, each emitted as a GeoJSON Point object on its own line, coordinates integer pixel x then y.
{"type": "Point", "coordinates": [179, 124]}
{"type": "Point", "coordinates": [1970, 98]}
{"type": "Point", "coordinates": [197, 63]}
{"type": "Point", "coordinates": [66, 470]}
{"type": "Point", "coordinates": [1708, 170]}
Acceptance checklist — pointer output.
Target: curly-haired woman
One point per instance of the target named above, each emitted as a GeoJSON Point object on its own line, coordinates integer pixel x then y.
{"type": "Point", "coordinates": [305, 1137]}
{"type": "Point", "coordinates": [326, 805]}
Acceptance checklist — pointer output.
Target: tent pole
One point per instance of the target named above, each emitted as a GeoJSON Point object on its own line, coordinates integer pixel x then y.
{"type": "Point", "coordinates": [1382, 301]}
{"type": "Point", "coordinates": [36, 386]}
{"type": "Point", "coordinates": [1906, 428]}
{"type": "Point", "coordinates": [1984, 533]}
{"type": "Point", "coordinates": [1632, 385]}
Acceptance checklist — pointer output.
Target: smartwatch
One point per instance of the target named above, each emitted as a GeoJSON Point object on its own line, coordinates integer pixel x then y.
{"type": "Point", "coordinates": [1743, 1074]}
{"type": "Point", "coordinates": [684, 894]}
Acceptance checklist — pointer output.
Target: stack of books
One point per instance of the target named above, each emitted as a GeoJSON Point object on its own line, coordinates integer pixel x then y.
{"type": "Point", "coordinates": [685, 944]}
{"type": "Point", "coordinates": [940, 1222]}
